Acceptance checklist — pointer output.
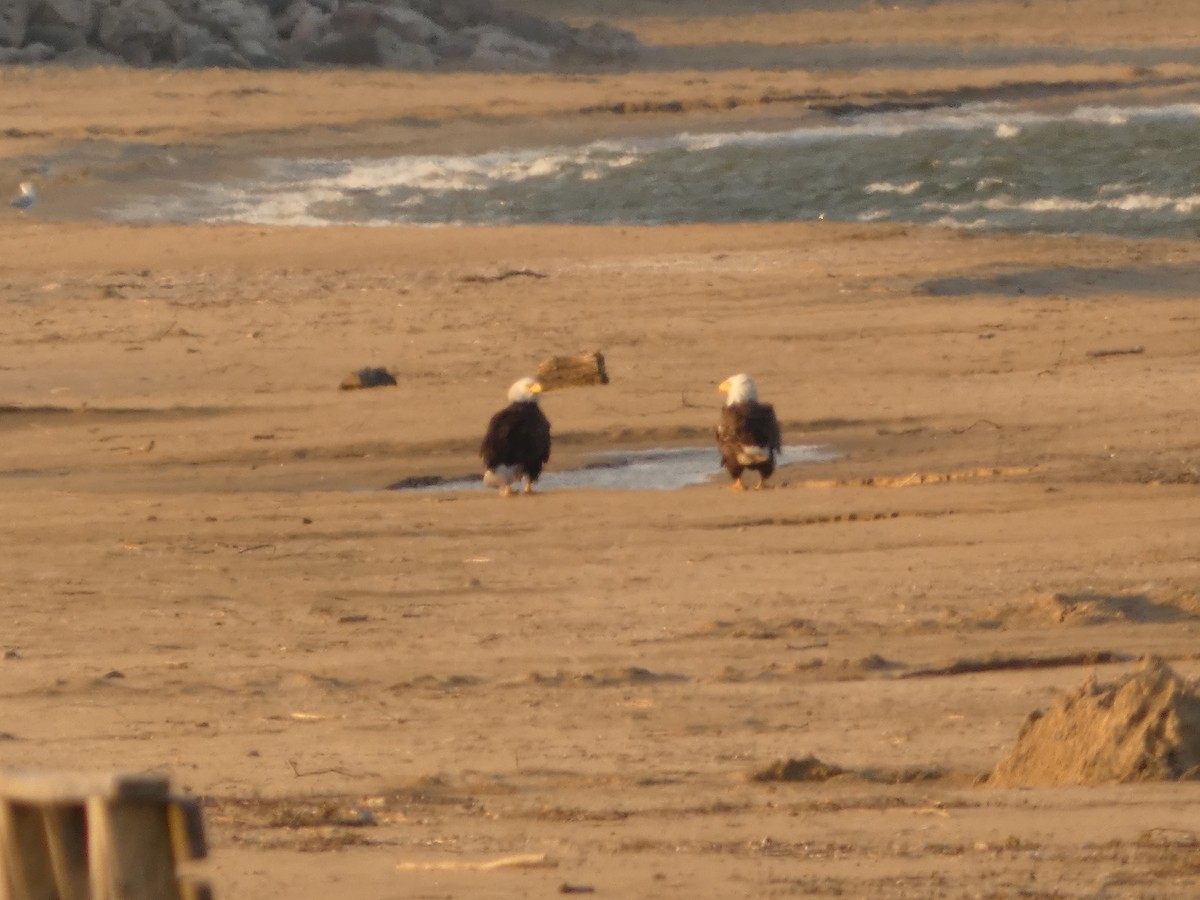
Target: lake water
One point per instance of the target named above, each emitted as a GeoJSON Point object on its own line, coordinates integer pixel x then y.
{"type": "Point", "coordinates": [1132, 171]}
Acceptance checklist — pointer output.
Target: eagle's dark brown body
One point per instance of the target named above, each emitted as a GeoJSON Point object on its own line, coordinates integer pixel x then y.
{"type": "Point", "coordinates": [517, 443]}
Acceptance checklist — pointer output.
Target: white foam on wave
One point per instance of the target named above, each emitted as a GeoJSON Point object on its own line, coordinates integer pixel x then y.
{"type": "Point", "coordinates": [406, 180]}
{"type": "Point", "coordinates": [1118, 116]}
{"type": "Point", "coordinates": [453, 173]}
{"type": "Point", "coordinates": [1134, 202]}
{"type": "Point", "coordinates": [888, 187]}
{"type": "Point", "coordinates": [960, 225]}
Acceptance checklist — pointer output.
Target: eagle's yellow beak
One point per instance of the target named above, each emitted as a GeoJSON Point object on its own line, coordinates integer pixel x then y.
{"type": "Point", "coordinates": [723, 387]}
{"type": "Point", "coordinates": [536, 388]}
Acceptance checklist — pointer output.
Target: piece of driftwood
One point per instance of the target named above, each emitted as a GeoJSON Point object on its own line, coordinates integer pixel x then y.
{"type": "Point", "coordinates": [572, 371]}
{"type": "Point", "coordinates": [1116, 351]}
{"type": "Point", "coordinates": [367, 378]}
{"type": "Point", "coordinates": [74, 836]}
{"type": "Point", "coordinates": [502, 276]}
{"type": "Point", "coordinates": [518, 861]}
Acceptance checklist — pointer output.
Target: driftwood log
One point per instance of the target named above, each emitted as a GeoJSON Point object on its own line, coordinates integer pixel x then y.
{"type": "Point", "coordinates": [572, 371]}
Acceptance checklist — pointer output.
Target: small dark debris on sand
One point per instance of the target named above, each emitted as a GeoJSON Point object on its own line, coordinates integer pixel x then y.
{"type": "Point", "coordinates": [905, 775]}
{"type": "Point", "coordinates": [502, 276]}
{"type": "Point", "coordinates": [367, 378]}
{"type": "Point", "coordinates": [416, 481]}
{"type": "Point", "coordinates": [807, 769]}
{"type": "Point", "coordinates": [609, 677]}
{"type": "Point", "coordinates": [999, 663]}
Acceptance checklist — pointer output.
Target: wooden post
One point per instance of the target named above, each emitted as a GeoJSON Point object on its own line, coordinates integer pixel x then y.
{"type": "Point", "coordinates": [30, 874]}
{"type": "Point", "coordinates": [65, 832]}
{"type": "Point", "coordinates": [141, 865]}
{"type": "Point", "coordinates": [65, 836]}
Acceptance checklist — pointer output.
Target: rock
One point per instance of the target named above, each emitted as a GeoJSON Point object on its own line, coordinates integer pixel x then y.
{"type": "Point", "coordinates": [265, 58]}
{"type": "Point", "coordinates": [36, 53]}
{"type": "Point", "coordinates": [309, 30]}
{"type": "Point", "coordinates": [214, 56]}
{"type": "Point", "coordinates": [247, 27]}
{"type": "Point", "coordinates": [345, 50]}
{"type": "Point", "coordinates": [456, 46]}
{"type": "Point", "coordinates": [367, 378]}
{"type": "Point", "coordinates": [285, 22]}
{"type": "Point", "coordinates": [61, 37]}
{"type": "Point", "coordinates": [454, 15]}
{"type": "Point", "coordinates": [396, 53]}
{"type": "Point", "coordinates": [601, 43]}
{"type": "Point", "coordinates": [533, 29]}
{"type": "Point", "coordinates": [409, 26]}
{"type": "Point", "coordinates": [27, 55]}
{"type": "Point", "coordinates": [14, 18]}
{"type": "Point", "coordinates": [358, 18]}
{"type": "Point", "coordinates": [67, 13]}
{"type": "Point", "coordinates": [381, 47]}
{"type": "Point", "coordinates": [87, 58]}
{"type": "Point", "coordinates": [198, 46]}
{"type": "Point", "coordinates": [190, 39]}
{"type": "Point", "coordinates": [497, 49]}
{"type": "Point", "coordinates": [139, 31]}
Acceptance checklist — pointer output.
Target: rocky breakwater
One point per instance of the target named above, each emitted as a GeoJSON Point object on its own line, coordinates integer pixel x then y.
{"type": "Point", "coordinates": [392, 34]}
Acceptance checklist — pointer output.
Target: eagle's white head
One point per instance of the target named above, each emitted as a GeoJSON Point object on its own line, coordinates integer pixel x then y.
{"type": "Point", "coordinates": [524, 391]}
{"type": "Point", "coordinates": [738, 388]}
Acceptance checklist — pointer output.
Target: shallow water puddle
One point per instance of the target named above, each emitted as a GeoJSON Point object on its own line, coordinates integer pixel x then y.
{"type": "Point", "coordinates": [629, 470]}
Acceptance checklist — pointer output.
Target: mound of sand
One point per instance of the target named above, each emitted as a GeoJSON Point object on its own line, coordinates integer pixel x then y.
{"type": "Point", "coordinates": [1097, 608]}
{"type": "Point", "coordinates": [1086, 607]}
{"type": "Point", "coordinates": [1144, 727]}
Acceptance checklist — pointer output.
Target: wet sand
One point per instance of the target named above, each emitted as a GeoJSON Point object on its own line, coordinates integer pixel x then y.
{"type": "Point", "coordinates": [374, 691]}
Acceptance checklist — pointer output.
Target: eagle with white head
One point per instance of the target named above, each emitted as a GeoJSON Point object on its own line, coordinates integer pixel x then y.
{"type": "Point", "coordinates": [517, 442]}
{"type": "Point", "coordinates": [748, 432]}
{"type": "Point", "coordinates": [27, 196]}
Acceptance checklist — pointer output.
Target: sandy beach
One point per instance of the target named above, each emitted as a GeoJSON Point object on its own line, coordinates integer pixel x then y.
{"type": "Point", "coordinates": [376, 693]}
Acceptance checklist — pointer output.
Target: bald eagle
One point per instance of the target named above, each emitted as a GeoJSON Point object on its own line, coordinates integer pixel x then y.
{"type": "Point", "coordinates": [517, 442]}
{"type": "Point", "coordinates": [26, 198]}
{"type": "Point", "coordinates": [748, 433]}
